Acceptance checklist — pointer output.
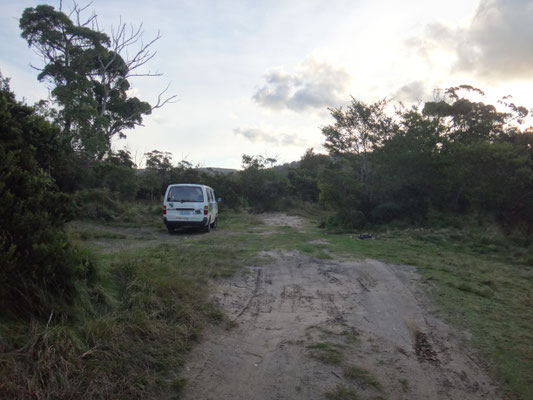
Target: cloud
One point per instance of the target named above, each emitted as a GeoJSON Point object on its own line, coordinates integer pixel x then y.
{"type": "Point", "coordinates": [496, 45]}
{"type": "Point", "coordinates": [412, 92]}
{"type": "Point", "coordinates": [314, 85]}
{"type": "Point", "coordinates": [256, 135]}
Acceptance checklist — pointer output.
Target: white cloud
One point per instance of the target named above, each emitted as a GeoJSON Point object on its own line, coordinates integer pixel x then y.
{"type": "Point", "coordinates": [412, 92]}
{"type": "Point", "coordinates": [313, 85]}
{"type": "Point", "coordinates": [256, 135]}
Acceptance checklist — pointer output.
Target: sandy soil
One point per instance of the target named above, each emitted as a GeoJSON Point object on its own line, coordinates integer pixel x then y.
{"type": "Point", "coordinates": [294, 312]}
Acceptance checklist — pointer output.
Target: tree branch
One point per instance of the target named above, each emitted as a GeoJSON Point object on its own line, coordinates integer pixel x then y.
{"type": "Point", "coordinates": [161, 102]}
{"type": "Point", "coordinates": [77, 10]}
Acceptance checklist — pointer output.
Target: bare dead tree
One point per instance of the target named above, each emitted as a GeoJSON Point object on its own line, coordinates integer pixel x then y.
{"type": "Point", "coordinates": [123, 39]}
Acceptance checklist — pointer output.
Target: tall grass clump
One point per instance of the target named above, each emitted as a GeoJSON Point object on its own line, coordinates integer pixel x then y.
{"type": "Point", "coordinates": [127, 333]}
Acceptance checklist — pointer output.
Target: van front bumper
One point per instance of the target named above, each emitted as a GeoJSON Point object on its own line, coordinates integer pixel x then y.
{"type": "Point", "coordinates": [183, 223]}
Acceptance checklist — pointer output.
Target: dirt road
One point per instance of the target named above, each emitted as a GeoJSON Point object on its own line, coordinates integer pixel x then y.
{"type": "Point", "coordinates": [306, 327]}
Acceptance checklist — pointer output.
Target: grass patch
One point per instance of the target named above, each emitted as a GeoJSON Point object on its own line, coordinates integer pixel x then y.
{"type": "Point", "coordinates": [342, 392]}
{"type": "Point", "coordinates": [404, 384]}
{"type": "Point", "coordinates": [91, 234]}
{"type": "Point", "coordinates": [326, 352]}
{"type": "Point", "coordinates": [237, 221]}
{"type": "Point", "coordinates": [350, 336]}
{"type": "Point", "coordinates": [361, 376]}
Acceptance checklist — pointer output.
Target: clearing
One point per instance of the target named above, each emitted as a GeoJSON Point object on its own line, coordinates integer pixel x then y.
{"type": "Point", "coordinates": [314, 326]}
{"type": "Point", "coordinates": [311, 315]}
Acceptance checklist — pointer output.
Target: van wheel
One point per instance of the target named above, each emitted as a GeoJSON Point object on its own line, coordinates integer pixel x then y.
{"type": "Point", "coordinates": [170, 230]}
{"type": "Point", "coordinates": [214, 224]}
{"type": "Point", "coordinates": [207, 228]}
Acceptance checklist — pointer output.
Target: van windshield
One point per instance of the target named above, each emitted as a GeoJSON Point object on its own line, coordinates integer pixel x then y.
{"type": "Point", "coordinates": [185, 194]}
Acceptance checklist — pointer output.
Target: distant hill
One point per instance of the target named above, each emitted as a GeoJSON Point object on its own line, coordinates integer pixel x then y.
{"type": "Point", "coordinates": [214, 170]}
{"type": "Point", "coordinates": [207, 170]}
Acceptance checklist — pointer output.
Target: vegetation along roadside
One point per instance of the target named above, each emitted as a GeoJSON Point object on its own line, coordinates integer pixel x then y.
{"type": "Point", "coordinates": [98, 301]}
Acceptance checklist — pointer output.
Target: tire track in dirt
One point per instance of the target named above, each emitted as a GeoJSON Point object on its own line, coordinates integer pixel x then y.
{"type": "Point", "coordinates": [266, 356]}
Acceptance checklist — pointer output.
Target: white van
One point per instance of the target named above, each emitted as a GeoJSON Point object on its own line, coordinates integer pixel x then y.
{"type": "Point", "coordinates": [189, 204]}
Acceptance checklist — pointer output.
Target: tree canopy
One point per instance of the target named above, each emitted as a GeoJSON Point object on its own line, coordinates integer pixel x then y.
{"type": "Point", "coordinates": [453, 155]}
{"type": "Point", "coordinates": [88, 76]}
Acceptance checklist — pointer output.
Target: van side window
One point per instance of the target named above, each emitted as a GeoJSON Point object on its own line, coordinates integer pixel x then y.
{"type": "Point", "coordinates": [208, 195]}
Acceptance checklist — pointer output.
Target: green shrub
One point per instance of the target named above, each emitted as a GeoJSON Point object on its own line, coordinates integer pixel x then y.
{"type": "Point", "coordinates": [386, 212]}
{"type": "Point", "coordinates": [39, 267]}
{"type": "Point", "coordinates": [98, 204]}
{"type": "Point", "coordinates": [121, 179]}
{"type": "Point", "coordinates": [347, 220]}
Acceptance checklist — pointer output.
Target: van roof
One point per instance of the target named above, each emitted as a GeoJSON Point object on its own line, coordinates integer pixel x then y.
{"type": "Point", "coordinates": [188, 184]}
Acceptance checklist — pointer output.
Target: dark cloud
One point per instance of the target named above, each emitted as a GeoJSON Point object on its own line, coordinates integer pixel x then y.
{"type": "Point", "coordinates": [260, 135]}
{"type": "Point", "coordinates": [497, 45]}
{"type": "Point", "coordinates": [316, 85]}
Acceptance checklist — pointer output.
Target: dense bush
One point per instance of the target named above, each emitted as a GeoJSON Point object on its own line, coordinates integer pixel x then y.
{"type": "Point", "coordinates": [227, 186]}
{"type": "Point", "coordinates": [453, 156]}
{"type": "Point", "coordinates": [264, 189]}
{"type": "Point", "coordinates": [97, 204]}
{"type": "Point", "coordinates": [121, 179]}
{"type": "Point", "coordinates": [38, 265]}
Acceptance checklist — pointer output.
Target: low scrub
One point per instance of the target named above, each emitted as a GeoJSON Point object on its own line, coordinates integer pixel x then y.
{"type": "Point", "coordinates": [128, 333]}
{"type": "Point", "coordinates": [98, 204]}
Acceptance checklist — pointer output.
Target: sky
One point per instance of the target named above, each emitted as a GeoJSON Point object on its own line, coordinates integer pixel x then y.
{"type": "Point", "coordinates": [257, 77]}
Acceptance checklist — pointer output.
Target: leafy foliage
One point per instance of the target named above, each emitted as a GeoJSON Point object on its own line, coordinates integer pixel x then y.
{"type": "Point", "coordinates": [88, 76]}
{"type": "Point", "coordinates": [39, 266]}
{"type": "Point", "coordinates": [358, 129]}
{"type": "Point", "coordinates": [453, 155]}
